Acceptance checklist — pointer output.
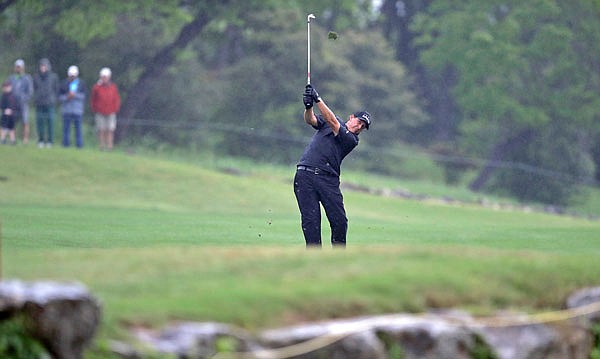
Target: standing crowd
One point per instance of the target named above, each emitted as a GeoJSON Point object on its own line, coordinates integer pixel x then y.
{"type": "Point", "coordinates": [47, 93]}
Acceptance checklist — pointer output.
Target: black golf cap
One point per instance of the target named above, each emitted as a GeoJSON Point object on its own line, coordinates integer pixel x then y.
{"type": "Point", "coordinates": [365, 117]}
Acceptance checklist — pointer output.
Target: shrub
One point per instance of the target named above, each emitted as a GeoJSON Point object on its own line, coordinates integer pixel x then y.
{"type": "Point", "coordinates": [15, 342]}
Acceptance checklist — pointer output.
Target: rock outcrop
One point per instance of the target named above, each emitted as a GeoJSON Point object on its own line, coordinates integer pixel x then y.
{"type": "Point", "coordinates": [62, 316]}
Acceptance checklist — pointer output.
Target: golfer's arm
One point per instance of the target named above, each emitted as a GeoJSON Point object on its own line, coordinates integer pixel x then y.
{"type": "Point", "coordinates": [309, 117]}
{"type": "Point", "coordinates": [329, 117]}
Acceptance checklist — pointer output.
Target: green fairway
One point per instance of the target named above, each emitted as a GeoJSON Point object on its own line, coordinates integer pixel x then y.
{"type": "Point", "coordinates": [159, 240]}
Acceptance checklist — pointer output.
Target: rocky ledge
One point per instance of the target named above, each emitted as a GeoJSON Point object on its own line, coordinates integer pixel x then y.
{"type": "Point", "coordinates": [450, 334]}
{"type": "Point", "coordinates": [64, 317]}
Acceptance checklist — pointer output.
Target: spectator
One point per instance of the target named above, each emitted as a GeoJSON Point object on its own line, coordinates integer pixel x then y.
{"type": "Point", "coordinates": [9, 106]}
{"type": "Point", "coordinates": [22, 86]}
{"type": "Point", "coordinates": [45, 85]}
{"type": "Point", "coordinates": [72, 98]}
{"type": "Point", "coordinates": [105, 103]}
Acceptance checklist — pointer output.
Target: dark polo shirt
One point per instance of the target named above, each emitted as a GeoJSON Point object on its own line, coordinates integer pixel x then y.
{"type": "Point", "coordinates": [326, 151]}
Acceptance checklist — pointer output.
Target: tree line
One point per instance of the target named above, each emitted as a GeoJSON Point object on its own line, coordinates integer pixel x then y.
{"type": "Point", "coordinates": [507, 81]}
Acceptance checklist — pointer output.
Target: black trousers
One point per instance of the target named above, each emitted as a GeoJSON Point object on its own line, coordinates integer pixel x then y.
{"type": "Point", "coordinates": [311, 190]}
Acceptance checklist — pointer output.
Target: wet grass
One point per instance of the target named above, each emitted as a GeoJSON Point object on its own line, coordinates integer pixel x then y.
{"type": "Point", "coordinates": [160, 240]}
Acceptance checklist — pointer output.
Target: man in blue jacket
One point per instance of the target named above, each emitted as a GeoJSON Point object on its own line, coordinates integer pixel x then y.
{"type": "Point", "coordinates": [22, 85]}
{"type": "Point", "coordinates": [72, 99]}
{"type": "Point", "coordinates": [317, 179]}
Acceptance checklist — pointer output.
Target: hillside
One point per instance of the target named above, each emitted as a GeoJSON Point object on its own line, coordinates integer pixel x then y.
{"type": "Point", "coordinates": [160, 240]}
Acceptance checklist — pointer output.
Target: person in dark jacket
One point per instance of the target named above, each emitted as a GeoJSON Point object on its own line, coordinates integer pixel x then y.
{"type": "Point", "coordinates": [72, 98]}
{"type": "Point", "coordinates": [9, 106]}
{"type": "Point", "coordinates": [22, 88]}
{"type": "Point", "coordinates": [317, 179]}
{"type": "Point", "coordinates": [45, 85]}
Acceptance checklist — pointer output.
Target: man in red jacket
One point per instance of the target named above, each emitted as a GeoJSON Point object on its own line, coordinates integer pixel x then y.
{"type": "Point", "coordinates": [105, 102]}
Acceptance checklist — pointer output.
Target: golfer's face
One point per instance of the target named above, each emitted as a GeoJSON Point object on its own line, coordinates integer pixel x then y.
{"type": "Point", "coordinates": [355, 125]}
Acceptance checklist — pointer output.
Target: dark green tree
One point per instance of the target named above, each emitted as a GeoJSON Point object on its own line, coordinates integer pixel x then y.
{"type": "Point", "coordinates": [433, 87]}
{"type": "Point", "coordinates": [518, 75]}
{"type": "Point", "coordinates": [356, 71]}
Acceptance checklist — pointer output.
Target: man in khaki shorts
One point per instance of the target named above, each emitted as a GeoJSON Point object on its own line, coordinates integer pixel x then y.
{"type": "Point", "coordinates": [105, 103]}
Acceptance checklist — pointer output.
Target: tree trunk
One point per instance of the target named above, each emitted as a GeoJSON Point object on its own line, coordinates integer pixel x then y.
{"type": "Point", "coordinates": [441, 104]}
{"type": "Point", "coordinates": [5, 4]}
{"type": "Point", "coordinates": [154, 69]}
{"type": "Point", "coordinates": [498, 154]}
{"type": "Point", "coordinates": [435, 89]}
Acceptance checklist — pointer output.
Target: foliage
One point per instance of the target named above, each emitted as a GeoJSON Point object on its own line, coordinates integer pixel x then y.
{"type": "Point", "coordinates": [226, 344]}
{"type": "Point", "coordinates": [481, 350]}
{"type": "Point", "coordinates": [350, 75]}
{"type": "Point", "coordinates": [16, 343]}
{"type": "Point", "coordinates": [393, 348]}
{"type": "Point", "coordinates": [431, 87]}
{"type": "Point", "coordinates": [519, 68]}
{"type": "Point", "coordinates": [595, 354]}
{"type": "Point", "coordinates": [559, 182]}
{"type": "Point", "coordinates": [511, 66]}
{"type": "Point", "coordinates": [237, 47]}
{"type": "Point", "coordinates": [453, 164]}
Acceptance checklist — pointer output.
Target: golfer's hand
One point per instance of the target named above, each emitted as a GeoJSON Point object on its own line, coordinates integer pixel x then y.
{"type": "Point", "coordinates": [315, 95]}
{"type": "Point", "coordinates": [307, 98]}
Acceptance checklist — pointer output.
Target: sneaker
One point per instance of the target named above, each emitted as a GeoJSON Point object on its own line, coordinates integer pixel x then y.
{"type": "Point", "coordinates": [40, 144]}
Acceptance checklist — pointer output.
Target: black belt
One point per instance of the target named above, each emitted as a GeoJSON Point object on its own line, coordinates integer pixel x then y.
{"type": "Point", "coordinates": [314, 170]}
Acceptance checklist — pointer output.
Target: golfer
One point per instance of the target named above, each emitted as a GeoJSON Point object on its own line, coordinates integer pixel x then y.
{"type": "Point", "coordinates": [317, 179]}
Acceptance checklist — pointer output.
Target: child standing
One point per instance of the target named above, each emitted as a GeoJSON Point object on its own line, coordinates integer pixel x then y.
{"type": "Point", "coordinates": [8, 106]}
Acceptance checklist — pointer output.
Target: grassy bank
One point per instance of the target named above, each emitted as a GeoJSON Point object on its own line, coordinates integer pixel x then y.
{"type": "Point", "coordinates": [159, 240]}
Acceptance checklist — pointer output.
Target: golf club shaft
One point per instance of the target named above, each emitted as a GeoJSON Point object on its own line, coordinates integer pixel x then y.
{"type": "Point", "coordinates": [311, 16]}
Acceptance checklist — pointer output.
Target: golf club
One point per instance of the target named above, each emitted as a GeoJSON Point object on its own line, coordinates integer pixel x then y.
{"type": "Point", "coordinates": [310, 16]}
